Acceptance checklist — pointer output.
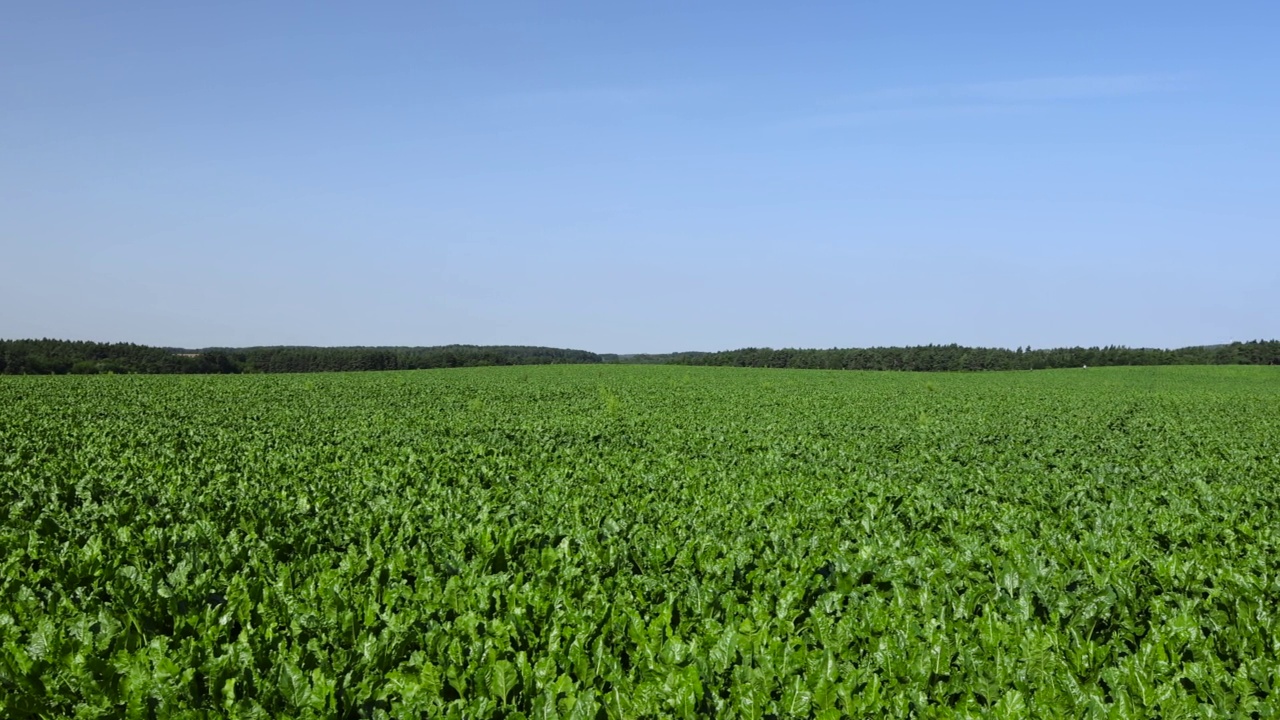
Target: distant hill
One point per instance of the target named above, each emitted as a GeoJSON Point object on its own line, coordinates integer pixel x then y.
{"type": "Point", "coordinates": [650, 358]}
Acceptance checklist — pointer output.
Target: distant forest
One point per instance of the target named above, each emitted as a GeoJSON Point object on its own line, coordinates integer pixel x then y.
{"type": "Point", "coordinates": [943, 358]}
{"type": "Point", "coordinates": [59, 357]}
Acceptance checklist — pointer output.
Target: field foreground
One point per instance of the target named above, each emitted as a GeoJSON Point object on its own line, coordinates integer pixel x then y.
{"type": "Point", "coordinates": [642, 541]}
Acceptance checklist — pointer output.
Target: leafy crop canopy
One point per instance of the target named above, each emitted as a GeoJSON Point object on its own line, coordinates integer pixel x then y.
{"type": "Point", "coordinates": [641, 541]}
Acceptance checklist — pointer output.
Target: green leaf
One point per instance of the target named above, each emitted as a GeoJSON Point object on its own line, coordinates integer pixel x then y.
{"type": "Point", "coordinates": [722, 653]}
{"type": "Point", "coordinates": [795, 698]}
{"type": "Point", "coordinates": [293, 685]}
{"type": "Point", "coordinates": [502, 678]}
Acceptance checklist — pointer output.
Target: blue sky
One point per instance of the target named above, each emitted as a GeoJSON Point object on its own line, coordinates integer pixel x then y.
{"type": "Point", "coordinates": [642, 177]}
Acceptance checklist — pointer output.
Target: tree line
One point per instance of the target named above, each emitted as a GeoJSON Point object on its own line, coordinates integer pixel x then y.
{"type": "Point", "coordinates": [942, 358]}
{"type": "Point", "coordinates": [60, 357]}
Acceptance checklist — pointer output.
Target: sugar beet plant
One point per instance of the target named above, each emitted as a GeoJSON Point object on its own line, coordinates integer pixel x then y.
{"type": "Point", "coordinates": [624, 542]}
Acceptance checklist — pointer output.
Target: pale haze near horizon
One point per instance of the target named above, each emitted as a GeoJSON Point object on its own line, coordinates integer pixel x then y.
{"type": "Point", "coordinates": [642, 178]}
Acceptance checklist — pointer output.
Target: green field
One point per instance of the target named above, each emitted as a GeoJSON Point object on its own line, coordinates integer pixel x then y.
{"type": "Point", "coordinates": [642, 541]}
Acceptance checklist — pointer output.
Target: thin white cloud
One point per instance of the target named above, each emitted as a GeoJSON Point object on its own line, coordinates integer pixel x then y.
{"type": "Point", "coordinates": [900, 114]}
{"type": "Point", "coordinates": [988, 98]}
{"type": "Point", "coordinates": [595, 96]}
{"type": "Point", "coordinates": [1041, 89]}
{"type": "Point", "coordinates": [590, 98]}
{"type": "Point", "coordinates": [1080, 87]}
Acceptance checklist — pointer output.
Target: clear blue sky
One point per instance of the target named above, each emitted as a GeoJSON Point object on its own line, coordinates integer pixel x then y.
{"type": "Point", "coordinates": [641, 177]}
